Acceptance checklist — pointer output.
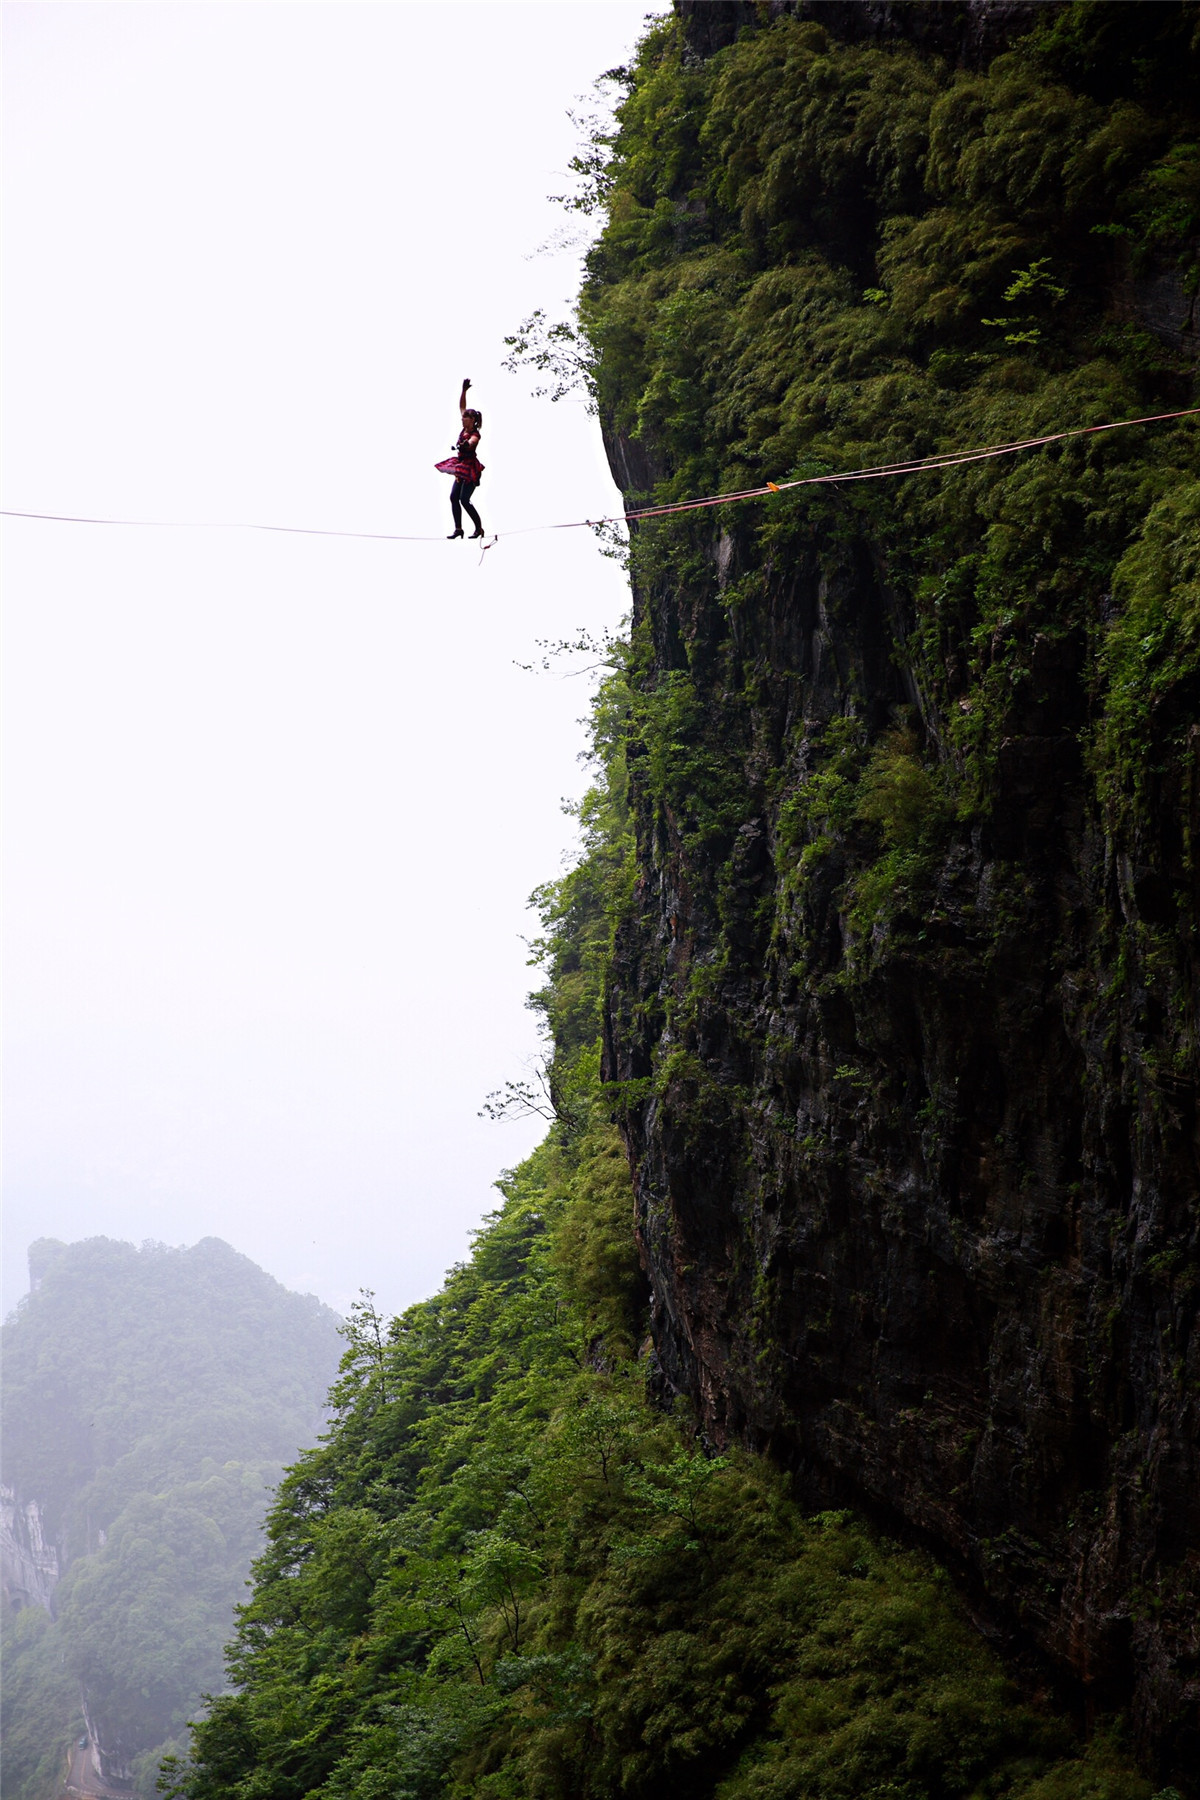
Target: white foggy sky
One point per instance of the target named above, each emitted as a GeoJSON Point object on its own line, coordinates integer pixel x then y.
{"type": "Point", "coordinates": [274, 805]}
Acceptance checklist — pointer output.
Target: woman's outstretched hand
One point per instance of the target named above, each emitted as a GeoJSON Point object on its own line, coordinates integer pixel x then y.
{"type": "Point", "coordinates": [466, 383]}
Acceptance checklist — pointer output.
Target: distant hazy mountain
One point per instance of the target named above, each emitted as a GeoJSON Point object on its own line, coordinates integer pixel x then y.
{"type": "Point", "coordinates": [151, 1399]}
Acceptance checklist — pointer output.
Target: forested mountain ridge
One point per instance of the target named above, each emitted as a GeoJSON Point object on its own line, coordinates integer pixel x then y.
{"type": "Point", "coordinates": [854, 962]}
{"type": "Point", "coordinates": [152, 1398]}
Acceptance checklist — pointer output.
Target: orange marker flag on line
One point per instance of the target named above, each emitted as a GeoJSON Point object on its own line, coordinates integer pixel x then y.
{"type": "Point", "coordinates": [774, 489]}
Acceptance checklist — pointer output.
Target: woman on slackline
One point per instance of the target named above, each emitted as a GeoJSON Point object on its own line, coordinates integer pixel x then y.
{"type": "Point", "coordinates": [465, 466]}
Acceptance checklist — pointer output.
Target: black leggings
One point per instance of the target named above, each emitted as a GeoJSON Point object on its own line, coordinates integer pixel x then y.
{"type": "Point", "coordinates": [460, 496]}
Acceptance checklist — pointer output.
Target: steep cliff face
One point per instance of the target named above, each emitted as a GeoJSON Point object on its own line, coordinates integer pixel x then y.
{"type": "Point", "coordinates": [903, 1015]}
{"type": "Point", "coordinates": [29, 1563]}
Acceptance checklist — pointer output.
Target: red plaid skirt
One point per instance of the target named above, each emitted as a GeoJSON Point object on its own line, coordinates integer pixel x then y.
{"type": "Point", "coordinates": [461, 469]}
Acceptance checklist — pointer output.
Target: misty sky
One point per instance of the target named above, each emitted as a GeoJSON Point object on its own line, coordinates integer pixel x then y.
{"type": "Point", "coordinates": [274, 805]}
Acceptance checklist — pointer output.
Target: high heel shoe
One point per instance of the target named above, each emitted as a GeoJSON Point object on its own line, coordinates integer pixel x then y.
{"type": "Point", "coordinates": [479, 533]}
{"type": "Point", "coordinates": [453, 535]}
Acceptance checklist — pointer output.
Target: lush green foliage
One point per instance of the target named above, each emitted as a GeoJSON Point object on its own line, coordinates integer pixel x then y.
{"type": "Point", "coordinates": [40, 1705]}
{"type": "Point", "coordinates": [1152, 653]}
{"type": "Point", "coordinates": [151, 1400]}
{"type": "Point", "coordinates": [508, 1573]}
{"type": "Point", "coordinates": [821, 255]}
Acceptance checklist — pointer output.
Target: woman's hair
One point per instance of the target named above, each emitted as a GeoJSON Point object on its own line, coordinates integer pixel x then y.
{"type": "Point", "coordinates": [474, 413]}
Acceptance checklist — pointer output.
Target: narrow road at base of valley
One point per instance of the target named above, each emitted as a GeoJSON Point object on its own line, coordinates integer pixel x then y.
{"type": "Point", "coordinates": [83, 1782]}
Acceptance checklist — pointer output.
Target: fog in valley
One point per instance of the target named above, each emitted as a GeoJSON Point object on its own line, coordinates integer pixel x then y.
{"type": "Point", "coordinates": [275, 804]}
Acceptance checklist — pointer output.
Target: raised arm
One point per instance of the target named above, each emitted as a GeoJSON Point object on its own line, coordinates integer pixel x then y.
{"type": "Point", "coordinates": [462, 398]}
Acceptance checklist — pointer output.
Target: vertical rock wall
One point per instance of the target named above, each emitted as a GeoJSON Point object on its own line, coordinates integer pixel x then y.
{"type": "Point", "coordinates": [922, 1233]}
{"type": "Point", "coordinates": [29, 1563]}
{"type": "Point", "coordinates": [919, 1198]}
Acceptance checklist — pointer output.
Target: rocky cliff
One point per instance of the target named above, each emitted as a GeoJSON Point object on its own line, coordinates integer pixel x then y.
{"type": "Point", "coordinates": [29, 1562]}
{"type": "Point", "coordinates": [903, 1013]}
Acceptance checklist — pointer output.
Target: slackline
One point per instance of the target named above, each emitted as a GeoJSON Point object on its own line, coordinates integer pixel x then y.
{"type": "Point", "coordinates": [948, 459]}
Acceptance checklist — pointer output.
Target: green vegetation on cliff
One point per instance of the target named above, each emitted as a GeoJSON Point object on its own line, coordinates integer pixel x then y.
{"type": "Point", "coordinates": [152, 1398]}
{"type": "Point", "coordinates": [905, 1016]}
{"type": "Point", "coordinates": [821, 255]}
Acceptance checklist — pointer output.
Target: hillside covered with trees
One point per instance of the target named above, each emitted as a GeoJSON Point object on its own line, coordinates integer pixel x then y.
{"type": "Point", "coordinates": [152, 1398]}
